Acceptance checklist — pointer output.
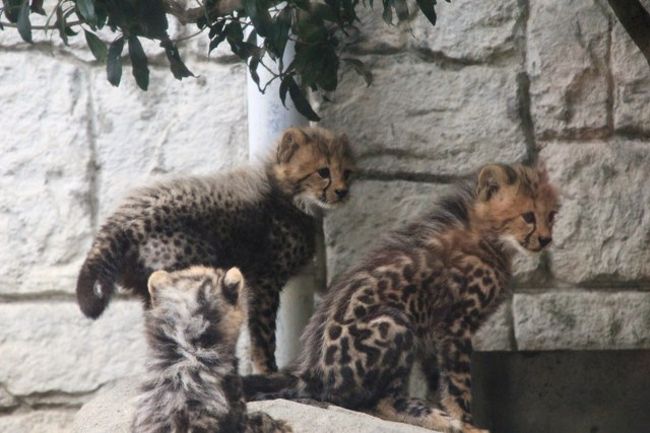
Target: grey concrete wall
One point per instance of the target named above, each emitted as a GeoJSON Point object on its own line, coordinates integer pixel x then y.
{"type": "Point", "coordinates": [505, 80]}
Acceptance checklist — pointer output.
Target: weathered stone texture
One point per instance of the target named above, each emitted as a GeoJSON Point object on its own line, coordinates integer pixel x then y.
{"type": "Point", "coordinates": [112, 410]}
{"type": "Point", "coordinates": [469, 31]}
{"type": "Point", "coordinates": [582, 320]}
{"type": "Point", "coordinates": [431, 120]}
{"type": "Point", "coordinates": [603, 228]}
{"type": "Point", "coordinates": [496, 333]}
{"type": "Point", "coordinates": [631, 77]}
{"type": "Point", "coordinates": [173, 127]}
{"type": "Point", "coordinates": [374, 208]}
{"type": "Point", "coordinates": [50, 346]}
{"type": "Point", "coordinates": [43, 173]}
{"type": "Point", "coordinates": [567, 61]}
{"type": "Point", "coordinates": [42, 421]}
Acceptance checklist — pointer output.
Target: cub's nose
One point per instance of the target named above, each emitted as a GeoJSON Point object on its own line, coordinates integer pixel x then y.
{"type": "Point", "coordinates": [544, 241]}
{"type": "Point", "coordinates": [341, 193]}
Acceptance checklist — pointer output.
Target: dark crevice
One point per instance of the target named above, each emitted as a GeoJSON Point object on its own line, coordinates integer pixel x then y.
{"type": "Point", "coordinates": [407, 176]}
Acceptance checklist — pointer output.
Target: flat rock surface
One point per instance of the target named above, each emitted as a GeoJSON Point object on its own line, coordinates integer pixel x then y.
{"type": "Point", "coordinates": [111, 412]}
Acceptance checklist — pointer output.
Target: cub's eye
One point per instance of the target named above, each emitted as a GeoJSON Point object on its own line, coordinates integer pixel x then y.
{"type": "Point", "coordinates": [346, 174]}
{"type": "Point", "coordinates": [551, 216]}
{"type": "Point", "coordinates": [529, 217]}
{"type": "Point", "coordinates": [324, 172]}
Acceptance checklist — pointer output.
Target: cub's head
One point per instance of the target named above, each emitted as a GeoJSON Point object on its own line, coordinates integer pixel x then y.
{"type": "Point", "coordinates": [517, 204]}
{"type": "Point", "coordinates": [314, 165]}
{"type": "Point", "coordinates": [199, 307]}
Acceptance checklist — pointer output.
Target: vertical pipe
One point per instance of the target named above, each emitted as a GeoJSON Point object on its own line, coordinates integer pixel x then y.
{"type": "Point", "coordinates": [267, 118]}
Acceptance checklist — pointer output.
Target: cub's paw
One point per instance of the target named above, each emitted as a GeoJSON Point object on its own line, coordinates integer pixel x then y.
{"type": "Point", "coordinates": [468, 428]}
{"type": "Point", "coordinates": [259, 422]}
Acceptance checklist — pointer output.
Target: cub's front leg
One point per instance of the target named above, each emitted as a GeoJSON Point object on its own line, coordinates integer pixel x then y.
{"type": "Point", "coordinates": [454, 359]}
{"type": "Point", "coordinates": [264, 300]}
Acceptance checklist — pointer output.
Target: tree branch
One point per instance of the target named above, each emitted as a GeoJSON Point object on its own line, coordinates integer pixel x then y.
{"type": "Point", "coordinates": [185, 16]}
{"type": "Point", "coordinates": [636, 21]}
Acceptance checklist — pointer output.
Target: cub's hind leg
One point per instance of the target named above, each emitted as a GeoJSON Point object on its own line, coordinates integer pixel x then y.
{"type": "Point", "coordinates": [259, 422]}
{"type": "Point", "coordinates": [416, 412]}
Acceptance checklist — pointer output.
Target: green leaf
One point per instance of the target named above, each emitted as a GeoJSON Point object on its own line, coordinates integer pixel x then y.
{"type": "Point", "coordinates": [178, 68]}
{"type": "Point", "coordinates": [258, 11]}
{"type": "Point", "coordinates": [24, 25]}
{"type": "Point", "coordinates": [401, 9]}
{"type": "Point", "coordinates": [428, 9]}
{"type": "Point", "coordinates": [388, 13]}
{"type": "Point", "coordinates": [252, 67]}
{"type": "Point", "coordinates": [361, 69]}
{"type": "Point", "coordinates": [60, 25]}
{"type": "Point", "coordinates": [87, 11]}
{"type": "Point", "coordinates": [114, 62]}
{"type": "Point", "coordinates": [284, 87]}
{"type": "Point", "coordinates": [139, 64]}
{"type": "Point", "coordinates": [37, 7]}
{"type": "Point", "coordinates": [12, 9]}
{"type": "Point", "coordinates": [279, 35]}
{"type": "Point", "coordinates": [300, 101]}
{"type": "Point", "coordinates": [97, 47]}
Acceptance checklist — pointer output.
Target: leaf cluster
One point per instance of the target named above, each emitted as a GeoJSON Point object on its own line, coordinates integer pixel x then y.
{"type": "Point", "coordinates": [257, 31]}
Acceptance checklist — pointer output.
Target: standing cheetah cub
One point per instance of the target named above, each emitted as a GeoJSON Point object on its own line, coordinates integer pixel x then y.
{"type": "Point", "coordinates": [192, 384]}
{"type": "Point", "coordinates": [422, 294]}
{"type": "Point", "coordinates": [259, 219]}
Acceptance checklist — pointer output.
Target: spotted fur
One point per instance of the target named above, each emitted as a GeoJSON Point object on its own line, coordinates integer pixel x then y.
{"type": "Point", "coordinates": [420, 296]}
{"type": "Point", "coordinates": [192, 384]}
{"type": "Point", "coordinates": [260, 219]}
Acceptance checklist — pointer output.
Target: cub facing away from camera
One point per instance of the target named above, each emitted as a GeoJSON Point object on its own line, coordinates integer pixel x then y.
{"type": "Point", "coordinates": [259, 219]}
{"type": "Point", "coordinates": [192, 384]}
{"type": "Point", "coordinates": [421, 295]}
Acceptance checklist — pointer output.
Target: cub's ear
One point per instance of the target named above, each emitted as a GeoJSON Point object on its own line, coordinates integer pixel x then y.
{"type": "Point", "coordinates": [492, 178]}
{"type": "Point", "coordinates": [156, 281]}
{"type": "Point", "coordinates": [233, 283]}
{"type": "Point", "coordinates": [291, 140]}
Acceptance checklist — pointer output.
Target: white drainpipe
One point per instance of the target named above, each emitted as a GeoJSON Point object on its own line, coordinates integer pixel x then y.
{"type": "Point", "coordinates": [267, 118]}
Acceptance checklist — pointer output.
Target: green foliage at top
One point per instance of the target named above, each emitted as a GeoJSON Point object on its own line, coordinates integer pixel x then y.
{"type": "Point", "coordinates": [257, 31]}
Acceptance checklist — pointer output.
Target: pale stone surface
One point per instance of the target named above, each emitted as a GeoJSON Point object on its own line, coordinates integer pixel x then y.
{"type": "Point", "coordinates": [373, 34]}
{"type": "Point", "coordinates": [112, 410]}
{"type": "Point", "coordinates": [42, 421]}
{"type": "Point", "coordinates": [631, 76]}
{"type": "Point", "coordinates": [7, 400]}
{"type": "Point", "coordinates": [431, 120]}
{"type": "Point", "coordinates": [567, 64]}
{"type": "Point", "coordinates": [496, 333]}
{"type": "Point", "coordinates": [43, 174]}
{"type": "Point", "coordinates": [603, 228]}
{"type": "Point", "coordinates": [48, 346]}
{"type": "Point", "coordinates": [373, 210]}
{"type": "Point", "coordinates": [469, 30]}
{"type": "Point", "coordinates": [582, 320]}
{"type": "Point", "coordinates": [185, 127]}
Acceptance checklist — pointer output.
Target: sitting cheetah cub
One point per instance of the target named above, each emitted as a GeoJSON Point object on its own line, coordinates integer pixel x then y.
{"type": "Point", "coordinates": [422, 294]}
{"type": "Point", "coordinates": [260, 219]}
{"type": "Point", "coordinates": [192, 384]}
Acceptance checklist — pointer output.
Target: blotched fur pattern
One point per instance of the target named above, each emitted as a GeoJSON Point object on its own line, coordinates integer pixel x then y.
{"type": "Point", "coordinates": [421, 296]}
{"type": "Point", "coordinates": [191, 383]}
{"type": "Point", "coordinates": [258, 218]}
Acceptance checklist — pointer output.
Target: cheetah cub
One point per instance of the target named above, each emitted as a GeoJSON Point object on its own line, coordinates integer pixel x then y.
{"type": "Point", "coordinates": [260, 219]}
{"type": "Point", "coordinates": [421, 295]}
{"type": "Point", "coordinates": [192, 384]}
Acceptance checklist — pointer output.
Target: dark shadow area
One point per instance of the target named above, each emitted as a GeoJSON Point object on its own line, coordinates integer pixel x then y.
{"type": "Point", "coordinates": [562, 392]}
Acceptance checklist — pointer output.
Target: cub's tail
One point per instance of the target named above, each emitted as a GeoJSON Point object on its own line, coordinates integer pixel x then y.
{"type": "Point", "coordinates": [96, 281]}
{"type": "Point", "coordinates": [274, 385]}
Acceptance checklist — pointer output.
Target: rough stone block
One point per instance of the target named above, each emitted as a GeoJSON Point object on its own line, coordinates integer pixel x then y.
{"type": "Point", "coordinates": [112, 410]}
{"type": "Point", "coordinates": [44, 173]}
{"type": "Point", "coordinates": [374, 209]}
{"type": "Point", "coordinates": [469, 31]}
{"type": "Point", "coordinates": [40, 421]}
{"type": "Point", "coordinates": [51, 347]}
{"type": "Point", "coordinates": [631, 77]}
{"type": "Point", "coordinates": [431, 120]}
{"type": "Point", "coordinates": [197, 125]}
{"type": "Point", "coordinates": [603, 228]}
{"type": "Point", "coordinates": [567, 64]}
{"type": "Point", "coordinates": [496, 333]}
{"type": "Point", "coordinates": [582, 320]}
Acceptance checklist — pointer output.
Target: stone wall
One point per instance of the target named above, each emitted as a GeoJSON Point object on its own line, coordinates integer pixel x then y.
{"type": "Point", "coordinates": [507, 80]}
